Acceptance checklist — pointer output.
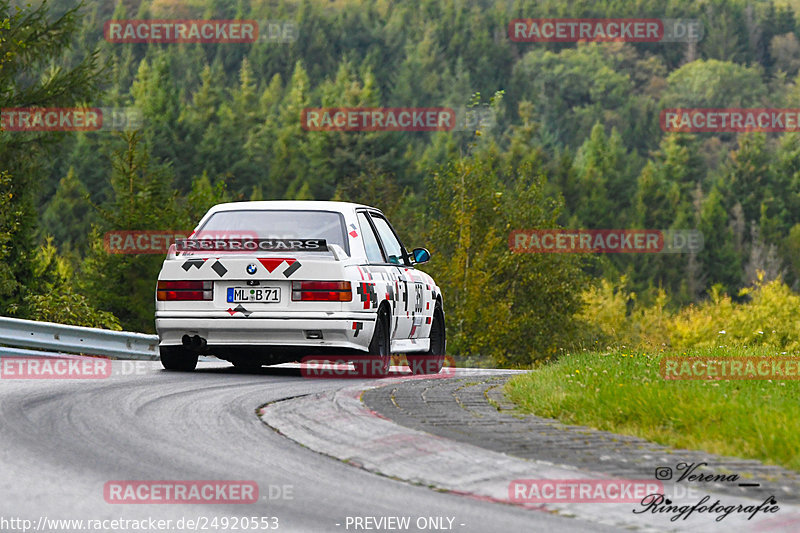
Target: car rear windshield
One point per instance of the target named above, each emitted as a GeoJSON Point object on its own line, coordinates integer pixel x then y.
{"type": "Point", "coordinates": [281, 224]}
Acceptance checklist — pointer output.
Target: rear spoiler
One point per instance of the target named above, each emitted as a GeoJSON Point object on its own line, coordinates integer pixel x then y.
{"type": "Point", "coordinates": [253, 246]}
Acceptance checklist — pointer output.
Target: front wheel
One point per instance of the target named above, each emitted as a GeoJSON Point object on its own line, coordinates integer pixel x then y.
{"type": "Point", "coordinates": [177, 358]}
{"type": "Point", "coordinates": [376, 364]}
{"type": "Point", "coordinates": [432, 361]}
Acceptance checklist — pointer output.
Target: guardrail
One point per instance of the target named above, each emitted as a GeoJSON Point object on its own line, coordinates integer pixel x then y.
{"type": "Point", "coordinates": [50, 339]}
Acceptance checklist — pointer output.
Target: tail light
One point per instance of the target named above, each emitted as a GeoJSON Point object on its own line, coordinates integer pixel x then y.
{"type": "Point", "coordinates": [318, 291]}
{"type": "Point", "coordinates": [184, 290]}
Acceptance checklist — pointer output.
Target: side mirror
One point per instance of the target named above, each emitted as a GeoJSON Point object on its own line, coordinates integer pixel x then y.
{"type": "Point", "coordinates": [421, 255]}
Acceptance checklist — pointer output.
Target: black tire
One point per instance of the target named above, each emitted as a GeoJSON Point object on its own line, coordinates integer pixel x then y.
{"type": "Point", "coordinates": [376, 364]}
{"type": "Point", "coordinates": [177, 358]}
{"type": "Point", "coordinates": [432, 361]}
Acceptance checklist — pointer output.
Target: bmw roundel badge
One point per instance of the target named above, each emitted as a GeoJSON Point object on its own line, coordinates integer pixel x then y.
{"type": "Point", "coordinates": [251, 269]}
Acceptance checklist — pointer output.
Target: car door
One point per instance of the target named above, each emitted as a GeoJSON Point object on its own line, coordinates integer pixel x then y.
{"type": "Point", "coordinates": [410, 298]}
{"type": "Point", "coordinates": [378, 272]}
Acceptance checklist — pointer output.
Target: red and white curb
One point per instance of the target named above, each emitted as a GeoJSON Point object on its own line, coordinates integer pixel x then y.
{"type": "Point", "coordinates": [337, 424]}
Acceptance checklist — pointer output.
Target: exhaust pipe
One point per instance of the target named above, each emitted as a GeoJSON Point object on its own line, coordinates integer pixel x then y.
{"type": "Point", "coordinates": [195, 343]}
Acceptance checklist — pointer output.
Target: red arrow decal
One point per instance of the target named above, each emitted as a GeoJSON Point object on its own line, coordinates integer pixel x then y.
{"type": "Point", "coordinates": [271, 263]}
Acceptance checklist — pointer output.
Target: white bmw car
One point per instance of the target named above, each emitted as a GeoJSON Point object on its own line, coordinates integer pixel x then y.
{"type": "Point", "coordinates": [261, 283]}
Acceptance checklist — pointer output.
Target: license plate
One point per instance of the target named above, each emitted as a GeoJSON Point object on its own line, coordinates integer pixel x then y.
{"type": "Point", "coordinates": [254, 294]}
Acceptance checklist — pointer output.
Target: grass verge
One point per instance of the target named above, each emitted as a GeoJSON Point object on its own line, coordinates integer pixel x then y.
{"type": "Point", "coordinates": [624, 392]}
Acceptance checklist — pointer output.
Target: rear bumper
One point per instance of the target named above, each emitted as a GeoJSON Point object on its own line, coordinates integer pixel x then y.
{"type": "Point", "coordinates": [337, 330]}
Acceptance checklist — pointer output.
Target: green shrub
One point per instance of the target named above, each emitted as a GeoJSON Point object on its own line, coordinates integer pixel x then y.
{"type": "Point", "coordinates": [768, 319]}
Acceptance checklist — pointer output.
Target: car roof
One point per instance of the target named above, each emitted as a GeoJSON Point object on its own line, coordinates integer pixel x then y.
{"type": "Point", "coordinates": [290, 205]}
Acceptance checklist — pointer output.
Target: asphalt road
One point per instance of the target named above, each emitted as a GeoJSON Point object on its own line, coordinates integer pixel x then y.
{"type": "Point", "coordinates": [61, 441]}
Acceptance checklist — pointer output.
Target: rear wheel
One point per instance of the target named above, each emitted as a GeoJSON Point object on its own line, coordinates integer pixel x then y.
{"type": "Point", "coordinates": [432, 361]}
{"type": "Point", "coordinates": [376, 364]}
{"type": "Point", "coordinates": [177, 358]}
